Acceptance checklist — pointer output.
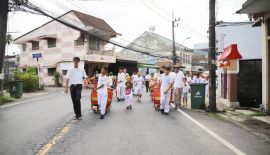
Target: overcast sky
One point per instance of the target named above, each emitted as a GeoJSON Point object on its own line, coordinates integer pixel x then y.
{"type": "Point", "coordinates": [132, 17]}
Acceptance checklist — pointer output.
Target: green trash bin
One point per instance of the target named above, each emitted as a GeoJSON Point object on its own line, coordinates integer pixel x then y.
{"type": "Point", "coordinates": [197, 95]}
{"type": "Point", "coordinates": [15, 88]}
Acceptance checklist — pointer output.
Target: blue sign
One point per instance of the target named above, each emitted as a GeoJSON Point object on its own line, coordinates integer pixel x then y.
{"type": "Point", "coordinates": [37, 55]}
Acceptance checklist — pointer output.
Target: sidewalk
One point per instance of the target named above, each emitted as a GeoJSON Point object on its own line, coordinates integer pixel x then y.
{"type": "Point", "coordinates": [32, 95]}
{"type": "Point", "coordinates": [247, 118]}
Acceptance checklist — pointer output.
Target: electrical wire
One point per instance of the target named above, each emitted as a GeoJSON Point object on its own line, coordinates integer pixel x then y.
{"type": "Point", "coordinates": [160, 15]}
{"type": "Point", "coordinates": [156, 5]}
{"type": "Point", "coordinates": [35, 8]}
{"type": "Point", "coordinates": [130, 44]}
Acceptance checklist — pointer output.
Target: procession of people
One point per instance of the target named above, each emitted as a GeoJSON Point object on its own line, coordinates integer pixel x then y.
{"type": "Point", "coordinates": [171, 82]}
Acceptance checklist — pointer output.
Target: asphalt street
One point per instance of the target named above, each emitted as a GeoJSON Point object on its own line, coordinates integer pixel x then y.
{"type": "Point", "coordinates": [27, 127]}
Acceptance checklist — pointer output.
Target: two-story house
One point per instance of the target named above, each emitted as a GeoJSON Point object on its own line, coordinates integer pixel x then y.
{"type": "Point", "coordinates": [58, 44]}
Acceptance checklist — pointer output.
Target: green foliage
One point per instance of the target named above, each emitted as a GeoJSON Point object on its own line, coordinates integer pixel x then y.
{"type": "Point", "coordinates": [5, 99]}
{"type": "Point", "coordinates": [29, 78]}
{"type": "Point", "coordinates": [56, 78]}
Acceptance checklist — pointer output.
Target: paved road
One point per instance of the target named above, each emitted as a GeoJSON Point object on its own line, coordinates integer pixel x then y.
{"type": "Point", "coordinates": [27, 127]}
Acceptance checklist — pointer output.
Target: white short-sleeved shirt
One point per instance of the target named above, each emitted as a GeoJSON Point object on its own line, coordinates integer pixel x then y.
{"type": "Point", "coordinates": [121, 77]}
{"type": "Point", "coordinates": [186, 87]}
{"type": "Point", "coordinates": [195, 80]}
{"type": "Point", "coordinates": [178, 79]}
{"type": "Point", "coordinates": [76, 75]}
{"type": "Point", "coordinates": [134, 76]}
{"type": "Point", "coordinates": [102, 80]}
{"type": "Point", "coordinates": [147, 77]}
{"type": "Point", "coordinates": [139, 81]}
{"type": "Point", "coordinates": [166, 80]}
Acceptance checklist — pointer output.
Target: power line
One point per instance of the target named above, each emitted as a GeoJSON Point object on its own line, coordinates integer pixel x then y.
{"type": "Point", "coordinates": [35, 8]}
{"type": "Point", "coordinates": [159, 7]}
{"type": "Point", "coordinates": [160, 15]}
{"type": "Point", "coordinates": [129, 43]}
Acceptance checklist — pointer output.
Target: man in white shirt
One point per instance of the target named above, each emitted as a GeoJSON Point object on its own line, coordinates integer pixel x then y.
{"type": "Point", "coordinates": [165, 91]}
{"type": "Point", "coordinates": [121, 80]}
{"type": "Point", "coordinates": [178, 86]}
{"type": "Point", "coordinates": [102, 91]}
{"type": "Point", "coordinates": [147, 79]}
{"type": "Point", "coordinates": [76, 79]}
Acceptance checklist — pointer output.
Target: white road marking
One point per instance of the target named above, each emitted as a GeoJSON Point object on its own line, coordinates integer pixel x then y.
{"type": "Point", "coordinates": [210, 132]}
{"type": "Point", "coordinates": [9, 105]}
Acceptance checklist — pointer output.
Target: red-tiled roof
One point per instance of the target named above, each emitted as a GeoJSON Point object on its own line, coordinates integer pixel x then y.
{"type": "Point", "coordinates": [95, 22]}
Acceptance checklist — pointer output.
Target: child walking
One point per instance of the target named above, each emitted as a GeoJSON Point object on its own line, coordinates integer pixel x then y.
{"type": "Point", "coordinates": [128, 93]}
{"type": "Point", "coordinates": [139, 82]}
{"type": "Point", "coordinates": [186, 88]}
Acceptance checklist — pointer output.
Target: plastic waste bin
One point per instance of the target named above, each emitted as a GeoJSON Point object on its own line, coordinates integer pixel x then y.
{"type": "Point", "coordinates": [197, 95]}
{"type": "Point", "coordinates": [16, 88]}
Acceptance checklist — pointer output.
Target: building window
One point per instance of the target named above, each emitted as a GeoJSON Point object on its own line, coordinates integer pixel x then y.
{"type": "Point", "coordinates": [93, 43]}
{"type": "Point", "coordinates": [35, 45]}
{"type": "Point", "coordinates": [51, 42]}
{"type": "Point", "coordinates": [79, 42]}
{"type": "Point", "coordinates": [23, 47]}
{"type": "Point", "coordinates": [51, 71]}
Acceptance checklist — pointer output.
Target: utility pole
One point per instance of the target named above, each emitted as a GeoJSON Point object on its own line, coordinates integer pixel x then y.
{"type": "Point", "coordinates": [212, 56]}
{"type": "Point", "coordinates": [173, 37]}
{"type": "Point", "coordinates": [3, 33]}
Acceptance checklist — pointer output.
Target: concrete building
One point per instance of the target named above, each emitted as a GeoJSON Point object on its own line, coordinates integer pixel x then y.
{"type": "Point", "coordinates": [200, 58]}
{"type": "Point", "coordinates": [58, 44]}
{"type": "Point", "coordinates": [248, 75]}
{"type": "Point", "coordinates": [153, 43]}
{"type": "Point", "coordinates": [259, 12]}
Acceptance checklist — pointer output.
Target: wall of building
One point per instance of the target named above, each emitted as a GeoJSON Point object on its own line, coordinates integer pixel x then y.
{"type": "Point", "coordinates": [64, 51]}
{"type": "Point", "coordinates": [266, 63]}
{"type": "Point", "coordinates": [247, 38]}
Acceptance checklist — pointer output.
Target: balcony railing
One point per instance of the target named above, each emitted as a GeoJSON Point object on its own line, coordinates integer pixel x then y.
{"type": "Point", "coordinates": [106, 52]}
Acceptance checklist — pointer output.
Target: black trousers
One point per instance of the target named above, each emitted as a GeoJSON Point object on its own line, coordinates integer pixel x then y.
{"type": "Point", "coordinates": [75, 91]}
{"type": "Point", "coordinates": [147, 86]}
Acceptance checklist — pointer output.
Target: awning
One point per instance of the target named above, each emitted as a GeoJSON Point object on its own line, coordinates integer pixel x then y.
{"type": "Point", "coordinates": [48, 36]}
{"type": "Point", "coordinates": [255, 6]}
{"type": "Point", "coordinates": [230, 52]}
{"type": "Point", "coordinates": [147, 66]}
{"type": "Point", "coordinates": [26, 41]}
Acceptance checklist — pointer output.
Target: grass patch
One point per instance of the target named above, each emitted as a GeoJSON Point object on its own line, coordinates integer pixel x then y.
{"type": "Point", "coordinates": [6, 99]}
{"type": "Point", "coordinates": [258, 113]}
{"type": "Point", "coordinates": [218, 116]}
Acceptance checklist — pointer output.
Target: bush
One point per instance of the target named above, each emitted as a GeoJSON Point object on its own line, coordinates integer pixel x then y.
{"type": "Point", "coordinates": [56, 78]}
{"type": "Point", "coordinates": [5, 99]}
{"type": "Point", "coordinates": [29, 78]}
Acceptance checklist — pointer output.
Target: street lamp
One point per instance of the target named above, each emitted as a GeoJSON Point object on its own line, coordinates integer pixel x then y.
{"type": "Point", "coordinates": [185, 40]}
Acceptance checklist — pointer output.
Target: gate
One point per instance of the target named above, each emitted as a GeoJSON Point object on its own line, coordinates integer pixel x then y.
{"type": "Point", "coordinates": [249, 87]}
